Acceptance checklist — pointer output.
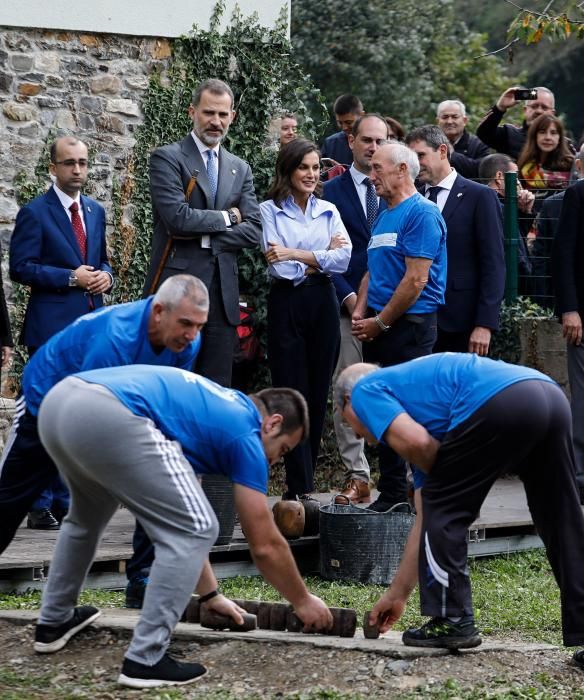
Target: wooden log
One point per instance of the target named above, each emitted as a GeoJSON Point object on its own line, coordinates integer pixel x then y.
{"type": "Point", "coordinates": [213, 620]}
{"type": "Point", "coordinates": [370, 631]}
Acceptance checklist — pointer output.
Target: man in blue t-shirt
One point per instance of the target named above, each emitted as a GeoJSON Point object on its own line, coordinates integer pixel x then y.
{"type": "Point", "coordinates": [138, 436]}
{"type": "Point", "coordinates": [395, 313]}
{"type": "Point", "coordinates": [160, 330]}
{"type": "Point", "coordinates": [464, 420]}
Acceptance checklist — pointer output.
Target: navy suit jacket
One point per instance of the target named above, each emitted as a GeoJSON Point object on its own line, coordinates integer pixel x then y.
{"type": "Point", "coordinates": [475, 282]}
{"type": "Point", "coordinates": [342, 193]}
{"type": "Point", "coordinates": [337, 147]}
{"type": "Point", "coordinates": [43, 251]}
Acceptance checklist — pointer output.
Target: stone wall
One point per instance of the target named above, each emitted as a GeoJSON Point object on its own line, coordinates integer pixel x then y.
{"type": "Point", "coordinates": [89, 85]}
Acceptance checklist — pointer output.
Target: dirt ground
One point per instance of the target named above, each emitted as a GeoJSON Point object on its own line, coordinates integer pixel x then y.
{"type": "Point", "coordinates": [89, 665]}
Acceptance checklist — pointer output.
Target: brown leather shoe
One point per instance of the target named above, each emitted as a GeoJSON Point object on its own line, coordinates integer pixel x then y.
{"type": "Point", "coordinates": [355, 491]}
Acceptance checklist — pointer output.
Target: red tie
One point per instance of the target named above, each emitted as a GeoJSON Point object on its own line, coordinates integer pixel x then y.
{"type": "Point", "coordinates": [78, 229]}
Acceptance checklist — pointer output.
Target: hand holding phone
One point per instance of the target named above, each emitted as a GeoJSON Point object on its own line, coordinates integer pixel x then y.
{"type": "Point", "coordinates": [526, 94]}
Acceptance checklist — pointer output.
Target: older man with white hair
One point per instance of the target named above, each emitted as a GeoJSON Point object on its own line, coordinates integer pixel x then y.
{"type": "Point", "coordinates": [398, 299]}
{"type": "Point", "coordinates": [468, 150]}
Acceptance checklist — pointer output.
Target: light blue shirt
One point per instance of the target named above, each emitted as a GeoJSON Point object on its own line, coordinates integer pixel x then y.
{"type": "Point", "coordinates": [311, 230]}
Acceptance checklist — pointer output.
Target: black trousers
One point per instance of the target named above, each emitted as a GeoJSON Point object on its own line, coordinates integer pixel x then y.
{"type": "Point", "coordinates": [451, 342]}
{"type": "Point", "coordinates": [411, 336]}
{"type": "Point", "coordinates": [26, 471]}
{"type": "Point", "coordinates": [526, 429]}
{"type": "Point", "coordinates": [303, 346]}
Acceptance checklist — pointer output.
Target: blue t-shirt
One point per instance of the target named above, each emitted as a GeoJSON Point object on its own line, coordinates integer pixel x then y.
{"type": "Point", "coordinates": [413, 229]}
{"type": "Point", "coordinates": [438, 391]}
{"type": "Point", "coordinates": [218, 429]}
{"type": "Point", "coordinates": [110, 337]}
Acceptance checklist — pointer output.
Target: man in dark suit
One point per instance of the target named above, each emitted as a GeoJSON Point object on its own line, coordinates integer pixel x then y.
{"type": "Point", "coordinates": [205, 211]}
{"type": "Point", "coordinates": [468, 150]}
{"type": "Point", "coordinates": [347, 109]}
{"type": "Point", "coordinates": [354, 196]}
{"type": "Point", "coordinates": [58, 248]}
{"type": "Point", "coordinates": [568, 281]}
{"type": "Point", "coordinates": [475, 283]}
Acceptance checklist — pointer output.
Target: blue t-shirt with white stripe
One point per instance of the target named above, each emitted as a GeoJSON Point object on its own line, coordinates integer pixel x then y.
{"type": "Point", "coordinates": [413, 229]}
{"type": "Point", "coordinates": [218, 429]}
{"type": "Point", "coordinates": [110, 337]}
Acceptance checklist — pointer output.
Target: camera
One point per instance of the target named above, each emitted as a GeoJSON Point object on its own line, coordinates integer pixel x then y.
{"type": "Point", "coordinates": [526, 94]}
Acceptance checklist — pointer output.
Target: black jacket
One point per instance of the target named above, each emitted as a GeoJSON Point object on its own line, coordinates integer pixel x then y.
{"type": "Point", "coordinates": [468, 153]}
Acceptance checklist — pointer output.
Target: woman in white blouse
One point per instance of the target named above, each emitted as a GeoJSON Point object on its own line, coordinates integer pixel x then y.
{"type": "Point", "coordinates": [304, 242]}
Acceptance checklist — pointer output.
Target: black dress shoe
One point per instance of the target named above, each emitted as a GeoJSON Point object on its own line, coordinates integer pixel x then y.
{"type": "Point", "coordinates": [42, 520]}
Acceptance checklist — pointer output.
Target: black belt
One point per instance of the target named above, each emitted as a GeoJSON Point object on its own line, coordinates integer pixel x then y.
{"type": "Point", "coordinates": [310, 281]}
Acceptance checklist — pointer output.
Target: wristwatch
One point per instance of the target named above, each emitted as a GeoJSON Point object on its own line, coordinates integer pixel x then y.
{"type": "Point", "coordinates": [73, 279]}
{"type": "Point", "coordinates": [232, 217]}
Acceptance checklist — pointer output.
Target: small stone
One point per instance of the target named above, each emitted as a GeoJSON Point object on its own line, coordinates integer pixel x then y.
{"type": "Point", "coordinates": [47, 62]}
{"type": "Point", "coordinates": [21, 62]}
{"type": "Point", "coordinates": [93, 105]}
{"type": "Point", "coordinates": [398, 667]}
{"type": "Point", "coordinates": [18, 112]}
{"type": "Point", "coordinates": [29, 89]}
{"type": "Point", "coordinates": [106, 84]}
{"type": "Point", "coordinates": [30, 131]}
{"type": "Point", "coordinates": [64, 120]}
{"type": "Point", "coordinates": [161, 49]}
{"type": "Point", "coordinates": [89, 40]}
{"type": "Point", "coordinates": [5, 82]}
{"type": "Point", "coordinates": [123, 106]}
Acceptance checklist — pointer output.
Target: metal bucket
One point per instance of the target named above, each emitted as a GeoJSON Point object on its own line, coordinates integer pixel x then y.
{"type": "Point", "coordinates": [361, 545]}
{"type": "Point", "coordinates": [219, 492]}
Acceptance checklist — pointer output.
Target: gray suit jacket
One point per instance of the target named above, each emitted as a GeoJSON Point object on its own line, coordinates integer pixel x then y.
{"type": "Point", "coordinates": [171, 168]}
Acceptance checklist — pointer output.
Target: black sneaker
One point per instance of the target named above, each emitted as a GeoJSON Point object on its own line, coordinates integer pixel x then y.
{"type": "Point", "coordinates": [135, 591]}
{"type": "Point", "coordinates": [48, 639]}
{"type": "Point", "coordinates": [578, 658]}
{"type": "Point", "coordinates": [42, 520]}
{"type": "Point", "coordinates": [441, 633]}
{"type": "Point", "coordinates": [167, 671]}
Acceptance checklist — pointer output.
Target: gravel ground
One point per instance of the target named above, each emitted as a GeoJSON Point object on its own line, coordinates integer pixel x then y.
{"type": "Point", "coordinates": [88, 667]}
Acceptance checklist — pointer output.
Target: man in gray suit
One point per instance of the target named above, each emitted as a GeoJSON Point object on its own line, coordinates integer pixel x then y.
{"type": "Point", "coordinates": [205, 210]}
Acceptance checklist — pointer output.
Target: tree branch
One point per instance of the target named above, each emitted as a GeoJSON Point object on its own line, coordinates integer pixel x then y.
{"type": "Point", "coordinates": [492, 53]}
{"type": "Point", "coordinates": [545, 14]}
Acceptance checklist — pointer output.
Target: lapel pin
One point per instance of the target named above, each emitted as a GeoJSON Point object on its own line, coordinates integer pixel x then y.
{"type": "Point", "coordinates": [233, 172]}
{"type": "Point", "coordinates": [88, 209]}
{"type": "Point", "coordinates": [459, 194]}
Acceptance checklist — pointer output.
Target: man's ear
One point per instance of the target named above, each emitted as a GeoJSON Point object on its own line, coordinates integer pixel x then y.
{"type": "Point", "coordinates": [272, 425]}
{"type": "Point", "coordinates": [351, 141]}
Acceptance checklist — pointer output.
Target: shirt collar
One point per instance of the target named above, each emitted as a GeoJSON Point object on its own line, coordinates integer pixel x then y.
{"type": "Point", "coordinates": [357, 175]}
{"type": "Point", "coordinates": [64, 198]}
{"type": "Point", "coordinates": [203, 148]}
{"type": "Point", "coordinates": [447, 183]}
{"type": "Point", "coordinates": [314, 207]}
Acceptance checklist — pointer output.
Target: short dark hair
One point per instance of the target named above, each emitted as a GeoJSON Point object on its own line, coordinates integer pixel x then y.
{"type": "Point", "coordinates": [493, 164]}
{"type": "Point", "coordinates": [290, 404]}
{"type": "Point", "coordinates": [431, 134]}
{"type": "Point", "coordinates": [217, 87]}
{"type": "Point", "coordinates": [357, 124]}
{"type": "Point", "coordinates": [345, 104]}
{"type": "Point", "coordinates": [289, 158]}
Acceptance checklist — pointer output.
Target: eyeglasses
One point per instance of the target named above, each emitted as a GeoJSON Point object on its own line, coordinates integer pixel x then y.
{"type": "Point", "coordinates": [71, 163]}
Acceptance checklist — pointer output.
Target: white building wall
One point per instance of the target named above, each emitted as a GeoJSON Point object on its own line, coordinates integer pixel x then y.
{"type": "Point", "coordinates": [169, 18]}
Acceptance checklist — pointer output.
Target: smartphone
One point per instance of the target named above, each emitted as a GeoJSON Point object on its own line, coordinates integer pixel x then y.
{"type": "Point", "coordinates": [526, 94]}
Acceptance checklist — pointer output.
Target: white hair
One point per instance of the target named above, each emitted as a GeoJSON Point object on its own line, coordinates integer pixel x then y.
{"type": "Point", "coordinates": [549, 92]}
{"type": "Point", "coordinates": [397, 153]}
{"type": "Point", "coordinates": [447, 103]}
{"type": "Point", "coordinates": [178, 287]}
{"type": "Point", "coordinates": [348, 378]}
